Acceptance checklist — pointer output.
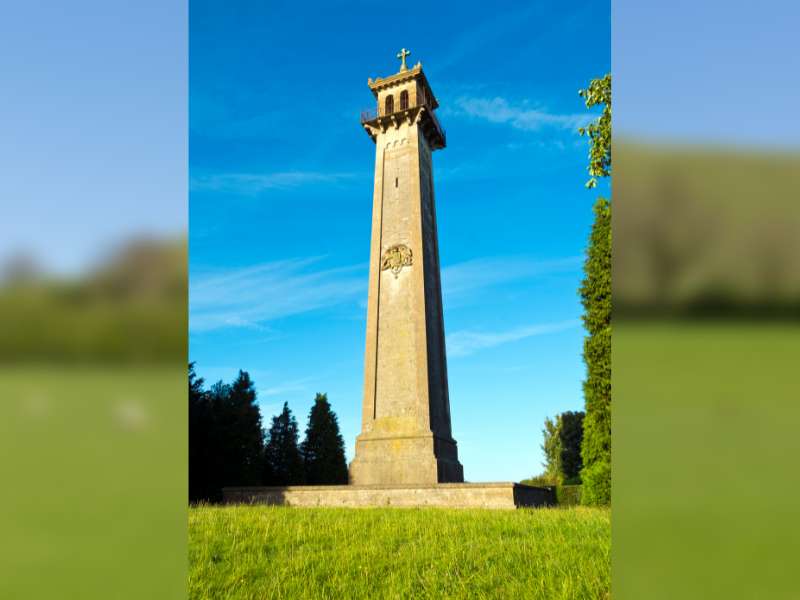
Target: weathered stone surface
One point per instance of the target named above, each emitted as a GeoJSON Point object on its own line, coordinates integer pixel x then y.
{"type": "Point", "coordinates": [406, 433]}
{"type": "Point", "coordinates": [443, 495]}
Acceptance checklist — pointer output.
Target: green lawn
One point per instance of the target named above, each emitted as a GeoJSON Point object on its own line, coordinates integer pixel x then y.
{"type": "Point", "coordinates": [277, 552]}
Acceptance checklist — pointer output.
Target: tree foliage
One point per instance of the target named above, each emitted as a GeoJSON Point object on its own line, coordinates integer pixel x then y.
{"type": "Point", "coordinates": [551, 446]}
{"type": "Point", "coordinates": [199, 439]}
{"type": "Point", "coordinates": [323, 447]}
{"type": "Point", "coordinates": [225, 436]}
{"type": "Point", "coordinates": [245, 436]}
{"type": "Point", "coordinates": [595, 294]}
{"type": "Point", "coordinates": [571, 437]}
{"type": "Point", "coordinates": [227, 443]}
{"type": "Point", "coordinates": [283, 463]}
{"type": "Point", "coordinates": [562, 448]}
{"type": "Point", "coordinates": [596, 297]}
{"type": "Point", "coordinates": [599, 132]}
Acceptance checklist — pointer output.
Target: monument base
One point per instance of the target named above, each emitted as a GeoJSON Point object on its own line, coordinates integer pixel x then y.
{"type": "Point", "coordinates": [407, 460]}
{"type": "Point", "coordinates": [504, 495]}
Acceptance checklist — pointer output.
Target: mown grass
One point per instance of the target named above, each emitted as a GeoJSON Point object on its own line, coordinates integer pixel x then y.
{"type": "Point", "coordinates": [276, 552]}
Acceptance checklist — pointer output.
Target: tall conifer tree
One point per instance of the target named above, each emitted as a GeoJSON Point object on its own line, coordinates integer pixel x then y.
{"type": "Point", "coordinates": [283, 464]}
{"type": "Point", "coordinates": [246, 440]}
{"type": "Point", "coordinates": [226, 441]}
{"type": "Point", "coordinates": [596, 298]}
{"type": "Point", "coordinates": [323, 447]}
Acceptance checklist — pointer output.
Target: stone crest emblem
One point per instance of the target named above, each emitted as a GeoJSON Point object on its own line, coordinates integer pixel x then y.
{"type": "Point", "coordinates": [395, 258]}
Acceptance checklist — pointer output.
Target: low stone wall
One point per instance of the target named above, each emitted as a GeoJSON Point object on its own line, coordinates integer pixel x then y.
{"type": "Point", "coordinates": [444, 495]}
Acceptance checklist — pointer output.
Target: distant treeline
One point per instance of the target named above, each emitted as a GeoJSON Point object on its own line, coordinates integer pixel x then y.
{"type": "Point", "coordinates": [228, 446]}
{"type": "Point", "coordinates": [132, 308]}
{"type": "Point", "coordinates": [703, 232]}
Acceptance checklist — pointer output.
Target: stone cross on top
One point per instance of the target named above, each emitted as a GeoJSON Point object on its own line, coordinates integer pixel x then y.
{"type": "Point", "coordinates": [402, 56]}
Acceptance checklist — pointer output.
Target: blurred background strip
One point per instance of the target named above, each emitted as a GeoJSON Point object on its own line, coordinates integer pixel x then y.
{"type": "Point", "coordinates": [93, 299]}
{"type": "Point", "coordinates": [706, 293]}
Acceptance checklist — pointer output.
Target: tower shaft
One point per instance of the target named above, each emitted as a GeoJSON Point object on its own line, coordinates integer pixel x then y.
{"type": "Point", "coordinates": [406, 435]}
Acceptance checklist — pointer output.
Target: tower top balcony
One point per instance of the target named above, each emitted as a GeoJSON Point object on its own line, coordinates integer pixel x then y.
{"type": "Point", "coordinates": [404, 96]}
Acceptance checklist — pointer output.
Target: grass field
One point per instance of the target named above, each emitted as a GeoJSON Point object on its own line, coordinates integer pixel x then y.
{"type": "Point", "coordinates": [276, 552]}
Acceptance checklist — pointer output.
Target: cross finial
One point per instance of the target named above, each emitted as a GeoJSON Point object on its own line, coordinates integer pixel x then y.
{"type": "Point", "coordinates": [402, 56]}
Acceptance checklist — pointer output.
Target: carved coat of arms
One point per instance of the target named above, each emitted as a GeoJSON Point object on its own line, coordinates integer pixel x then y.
{"type": "Point", "coordinates": [395, 258]}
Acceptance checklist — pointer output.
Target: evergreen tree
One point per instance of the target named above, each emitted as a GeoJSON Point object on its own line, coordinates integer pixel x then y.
{"type": "Point", "coordinates": [596, 295]}
{"type": "Point", "coordinates": [596, 298]}
{"type": "Point", "coordinates": [199, 429]}
{"type": "Point", "coordinates": [245, 443]}
{"type": "Point", "coordinates": [217, 434]}
{"type": "Point", "coordinates": [225, 436]}
{"type": "Point", "coordinates": [571, 436]}
{"type": "Point", "coordinates": [283, 462]}
{"type": "Point", "coordinates": [323, 447]}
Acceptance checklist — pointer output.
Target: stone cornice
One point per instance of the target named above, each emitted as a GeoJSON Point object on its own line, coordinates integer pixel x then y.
{"type": "Point", "coordinates": [416, 114]}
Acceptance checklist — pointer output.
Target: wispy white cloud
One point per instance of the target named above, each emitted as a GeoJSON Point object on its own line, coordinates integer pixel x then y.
{"type": "Point", "coordinates": [479, 273]}
{"type": "Point", "coordinates": [520, 115]}
{"type": "Point", "coordinates": [464, 343]}
{"type": "Point", "coordinates": [252, 296]}
{"type": "Point", "coordinates": [254, 183]}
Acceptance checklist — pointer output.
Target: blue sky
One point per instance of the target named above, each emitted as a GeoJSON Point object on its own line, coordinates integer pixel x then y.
{"type": "Point", "coordinates": [281, 183]}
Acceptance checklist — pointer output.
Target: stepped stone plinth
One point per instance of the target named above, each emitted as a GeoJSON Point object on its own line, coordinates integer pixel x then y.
{"type": "Point", "coordinates": [440, 495]}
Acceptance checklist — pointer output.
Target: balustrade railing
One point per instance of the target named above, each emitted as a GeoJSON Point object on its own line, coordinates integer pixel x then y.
{"type": "Point", "coordinates": [370, 114]}
{"type": "Point", "coordinates": [438, 125]}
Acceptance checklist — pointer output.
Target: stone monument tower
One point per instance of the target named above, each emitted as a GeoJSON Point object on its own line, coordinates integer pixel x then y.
{"type": "Point", "coordinates": [405, 454]}
{"type": "Point", "coordinates": [405, 433]}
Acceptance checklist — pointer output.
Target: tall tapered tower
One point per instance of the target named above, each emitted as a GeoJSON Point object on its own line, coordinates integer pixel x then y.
{"type": "Point", "coordinates": [405, 435]}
